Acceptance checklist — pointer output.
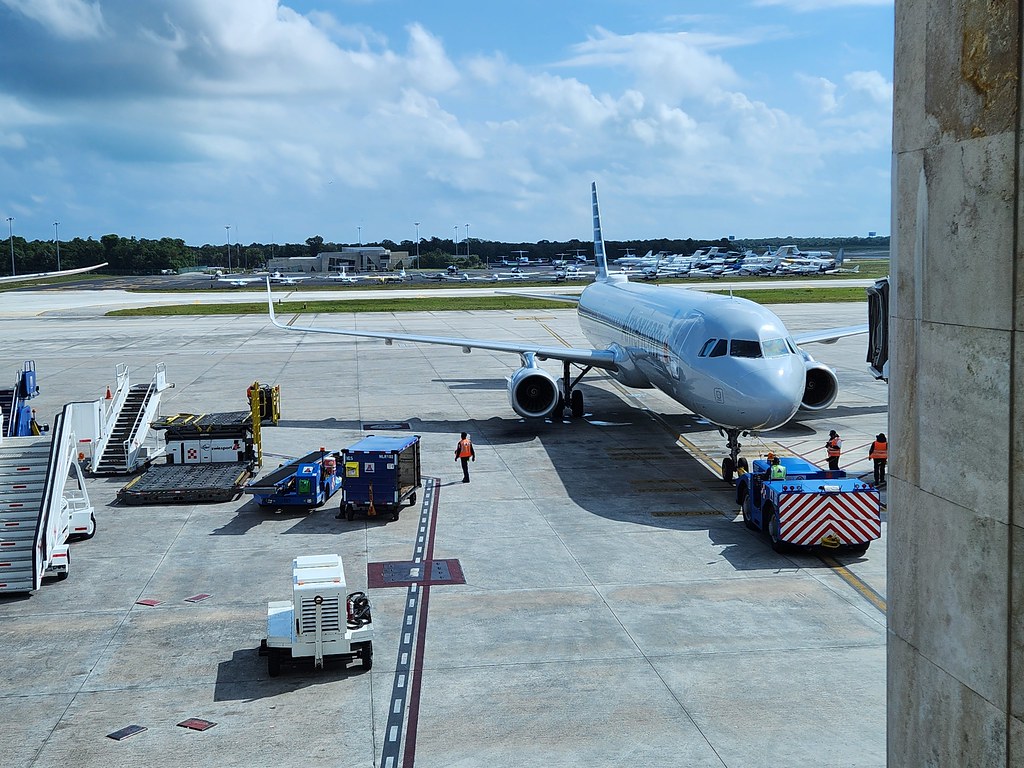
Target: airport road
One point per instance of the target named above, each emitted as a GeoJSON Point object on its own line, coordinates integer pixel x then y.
{"type": "Point", "coordinates": [615, 611]}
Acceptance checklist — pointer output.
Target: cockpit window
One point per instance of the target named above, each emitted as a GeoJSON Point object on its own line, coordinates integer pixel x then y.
{"type": "Point", "coordinates": [744, 348]}
{"type": "Point", "coordinates": [721, 347]}
{"type": "Point", "coordinates": [775, 347]}
{"type": "Point", "coordinates": [792, 346]}
{"type": "Point", "coordinates": [707, 347]}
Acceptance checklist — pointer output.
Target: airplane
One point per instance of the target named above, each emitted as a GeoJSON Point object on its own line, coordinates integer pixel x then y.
{"type": "Point", "coordinates": [343, 277]}
{"type": "Point", "coordinates": [43, 275]}
{"type": "Point", "coordinates": [728, 360]}
{"type": "Point", "coordinates": [238, 282]}
{"type": "Point", "coordinates": [280, 279]}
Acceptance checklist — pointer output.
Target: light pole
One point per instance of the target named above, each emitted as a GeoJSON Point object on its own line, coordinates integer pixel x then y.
{"type": "Point", "coordinates": [417, 244]}
{"type": "Point", "coordinates": [56, 239]}
{"type": "Point", "coordinates": [10, 228]}
{"type": "Point", "coordinates": [467, 241]}
{"type": "Point", "coordinates": [455, 240]}
{"type": "Point", "coordinates": [359, 236]}
{"type": "Point", "coordinates": [227, 241]}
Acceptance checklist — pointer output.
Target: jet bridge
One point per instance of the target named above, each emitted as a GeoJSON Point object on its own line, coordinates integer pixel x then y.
{"type": "Point", "coordinates": [43, 505]}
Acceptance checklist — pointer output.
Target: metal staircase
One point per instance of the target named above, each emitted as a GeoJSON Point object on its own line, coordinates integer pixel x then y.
{"type": "Point", "coordinates": [40, 511]}
{"type": "Point", "coordinates": [126, 424]}
{"type": "Point", "coordinates": [13, 402]}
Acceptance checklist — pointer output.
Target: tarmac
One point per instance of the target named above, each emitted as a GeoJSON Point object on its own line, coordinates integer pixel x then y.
{"type": "Point", "coordinates": [615, 610]}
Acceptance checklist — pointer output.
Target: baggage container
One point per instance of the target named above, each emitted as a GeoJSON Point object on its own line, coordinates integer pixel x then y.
{"type": "Point", "coordinates": [379, 475]}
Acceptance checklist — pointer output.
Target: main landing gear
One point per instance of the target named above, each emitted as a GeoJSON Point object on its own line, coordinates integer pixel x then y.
{"type": "Point", "coordinates": [733, 462]}
{"type": "Point", "coordinates": [572, 398]}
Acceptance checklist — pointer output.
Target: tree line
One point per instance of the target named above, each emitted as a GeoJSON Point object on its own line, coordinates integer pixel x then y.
{"type": "Point", "coordinates": [141, 256]}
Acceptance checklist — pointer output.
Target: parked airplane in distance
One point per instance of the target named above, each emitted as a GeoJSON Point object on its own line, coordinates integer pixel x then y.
{"type": "Point", "coordinates": [43, 275]}
{"type": "Point", "coordinates": [239, 282]}
{"type": "Point", "coordinates": [728, 360]}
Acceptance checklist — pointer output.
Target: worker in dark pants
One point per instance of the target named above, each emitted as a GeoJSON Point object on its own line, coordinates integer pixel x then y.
{"type": "Point", "coordinates": [464, 452]}
{"type": "Point", "coordinates": [879, 453]}
{"type": "Point", "coordinates": [833, 449]}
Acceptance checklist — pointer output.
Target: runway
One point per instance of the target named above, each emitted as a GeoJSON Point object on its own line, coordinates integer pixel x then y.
{"type": "Point", "coordinates": [615, 610]}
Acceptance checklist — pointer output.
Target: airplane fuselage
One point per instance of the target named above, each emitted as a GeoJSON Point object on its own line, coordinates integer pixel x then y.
{"type": "Point", "coordinates": [726, 359]}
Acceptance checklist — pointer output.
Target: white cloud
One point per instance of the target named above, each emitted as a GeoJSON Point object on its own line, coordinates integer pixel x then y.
{"type": "Point", "coordinates": [68, 19]}
{"type": "Point", "coordinates": [872, 84]}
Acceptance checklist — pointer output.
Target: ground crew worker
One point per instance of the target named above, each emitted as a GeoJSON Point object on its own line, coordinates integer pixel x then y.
{"type": "Point", "coordinates": [464, 452]}
{"type": "Point", "coordinates": [833, 449]}
{"type": "Point", "coordinates": [776, 471]}
{"type": "Point", "coordinates": [879, 451]}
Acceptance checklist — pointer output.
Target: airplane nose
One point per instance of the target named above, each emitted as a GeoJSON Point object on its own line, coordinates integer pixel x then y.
{"type": "Point", "coordinates": [774, 394]}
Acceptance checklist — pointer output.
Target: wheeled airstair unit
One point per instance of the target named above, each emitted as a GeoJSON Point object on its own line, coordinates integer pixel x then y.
{"type": "Point", "coordinates": [17, 413]}
{"type": "Point", "coordinates": [43, 506]}
{"type": "Point", "coordinates": [113, 435]}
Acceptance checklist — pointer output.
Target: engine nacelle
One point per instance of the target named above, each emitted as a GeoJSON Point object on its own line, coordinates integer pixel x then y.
{"type": "Point", "coordinates": [820, 387]}
{"type": "Point", "coordinates": [533, 392]}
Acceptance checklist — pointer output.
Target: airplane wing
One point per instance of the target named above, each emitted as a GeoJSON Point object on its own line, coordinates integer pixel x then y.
{"type": "Point", "coordinates": [829, 335]}
{"type": "Point", "coordinates": [44, 275]}
{"type": "Point", "coordinates": [564, 297]}
{"type": "Point", "coordinates": [598, 358]}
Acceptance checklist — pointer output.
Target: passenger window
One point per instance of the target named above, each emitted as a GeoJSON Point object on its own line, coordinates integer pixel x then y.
{"type": "Point", "coordinates": [775, 347]}
{"type": "Point", "coordinates": [744, 348]}
{"type": "Point", "coordinates": [721, 347]}
{"type": "Point", "coordinates": [707, 347]}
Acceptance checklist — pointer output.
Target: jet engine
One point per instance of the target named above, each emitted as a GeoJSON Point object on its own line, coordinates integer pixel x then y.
{"type": "Point", "coordinates": [820, 387]}
{"type": "Point", "coordinates": [533, 392]}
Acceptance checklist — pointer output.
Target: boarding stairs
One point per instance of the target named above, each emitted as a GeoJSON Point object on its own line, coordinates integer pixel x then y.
{"type": "Point", "coordinates": [43, 505]}
{"type": "Point", "coordinates": [132, 408]}
{"type": "Point", "coordinates": [17, 415]}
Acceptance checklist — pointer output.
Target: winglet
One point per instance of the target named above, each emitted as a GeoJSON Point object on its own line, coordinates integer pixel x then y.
{"type": "Point", "coordinates": [270, 306]}
{"type": "Point", "coordinates": [600, 260]}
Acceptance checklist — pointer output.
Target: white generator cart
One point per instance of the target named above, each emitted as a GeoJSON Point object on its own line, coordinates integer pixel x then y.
{"type": "Point", "coordinates": [321, 621]}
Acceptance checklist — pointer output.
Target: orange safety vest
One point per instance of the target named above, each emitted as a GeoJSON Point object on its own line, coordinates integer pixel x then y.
{"type": "Point", "coordinates": [834, 446]}
{"type": "Point", "coordinates": [465, 449]}
{"type": "Point", "coordinates": [879, 450]}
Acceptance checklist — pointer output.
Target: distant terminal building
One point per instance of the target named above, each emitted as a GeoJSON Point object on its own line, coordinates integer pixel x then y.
{"type": "Point", "coordinates": [367, 258]}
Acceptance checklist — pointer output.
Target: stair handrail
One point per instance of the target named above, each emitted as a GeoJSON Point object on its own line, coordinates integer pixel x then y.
{"type": "Point", "coordinates": [132, 444]}
{"type": "Point", "coordinates": [112, 407]}
{"type": "Point", "coordinates": [59, 457]}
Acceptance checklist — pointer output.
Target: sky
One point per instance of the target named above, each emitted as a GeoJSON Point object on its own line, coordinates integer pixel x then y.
{"type": "Point", "coordinates": [264, 121]}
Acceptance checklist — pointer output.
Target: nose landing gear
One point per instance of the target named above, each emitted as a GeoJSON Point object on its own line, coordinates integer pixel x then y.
{"type": "Point", "coordinates": [733, 462]}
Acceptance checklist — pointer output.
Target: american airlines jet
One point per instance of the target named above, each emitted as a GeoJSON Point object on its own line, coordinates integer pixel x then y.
{"type": "Point", "coordinates": [44, 275]}
{"type": "Point", "coordinates": [727, 359]}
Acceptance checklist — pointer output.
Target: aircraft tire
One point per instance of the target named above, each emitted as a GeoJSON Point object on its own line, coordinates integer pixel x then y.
{"type": "Point", "coordinates": [576, 404]}
{"type": "Point", "coordinates": [727, 469]}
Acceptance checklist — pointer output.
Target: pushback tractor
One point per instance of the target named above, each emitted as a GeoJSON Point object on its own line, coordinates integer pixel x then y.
{"type": "Point", "coordinates": [811, 507]}
{"type": "Point", "coordinates": [322, 622]}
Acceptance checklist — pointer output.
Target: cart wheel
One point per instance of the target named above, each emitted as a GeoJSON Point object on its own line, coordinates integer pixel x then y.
{"type": "Point", "coordinates": [61, 575]}
{"type": "Point", "coordinates": [412, 500]}
{"type": "Point", "coordinates": [273, 663]}
{"type": "Point", "coordinates": [367, 657]}
{"type": "Point", "coordinates": [350, 513]}
{"type": "Point", "coordinates": [92, 527]}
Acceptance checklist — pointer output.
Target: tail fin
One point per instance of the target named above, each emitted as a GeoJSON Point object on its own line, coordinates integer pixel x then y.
{"type": "Point", "coordinates": [600, 260]}
{"type": "Point", "coordinates": [839, 258]}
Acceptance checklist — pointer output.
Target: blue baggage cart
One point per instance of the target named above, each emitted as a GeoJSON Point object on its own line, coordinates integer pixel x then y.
{"type": "Point", "coordinates": [379, 474]}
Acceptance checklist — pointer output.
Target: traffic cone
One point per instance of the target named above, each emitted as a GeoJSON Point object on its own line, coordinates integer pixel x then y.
{"type": "Point", "coordinates": [109, 396]}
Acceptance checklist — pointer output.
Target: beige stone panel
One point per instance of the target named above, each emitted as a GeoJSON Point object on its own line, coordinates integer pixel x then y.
{"type": "Point", "coordinates": [911, 128]}
{"type": "Point", "coordinates": [970, 215]}
{"type": "Point", "coordinates": [947, 589]}
{"type": "Point", "coordinates": [904, 460]}
{"type": "Point", "coordinates": [963, 410]}
{"type": "Point", "coordinates": [910, 206]}
{"type": "Point", "coordinates": [971, 68]}
{"type": "Point", "coordinates": [1017, 429]}
{"type": "Point", "coordinates": [934, 720]}
{"type": "Point", "coordinates": [1016, 752]}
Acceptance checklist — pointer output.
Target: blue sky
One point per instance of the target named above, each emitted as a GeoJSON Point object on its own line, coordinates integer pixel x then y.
{"type": "Point", "coordinates": [354, 119]}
